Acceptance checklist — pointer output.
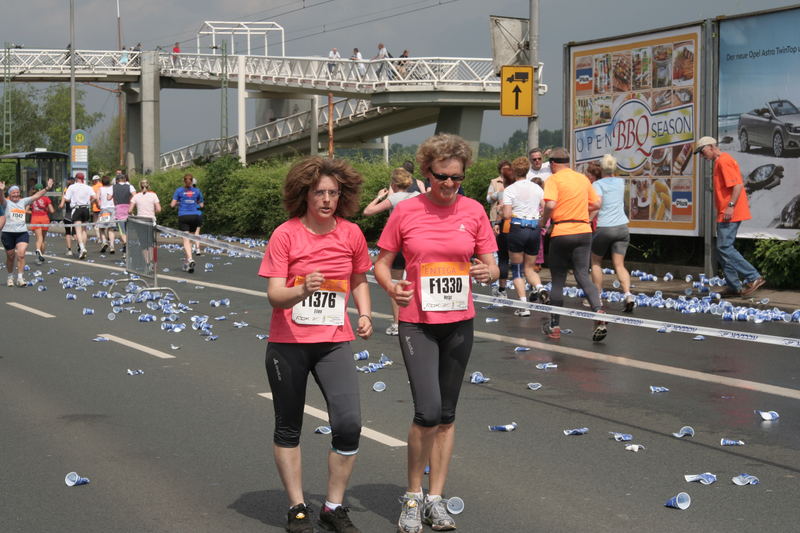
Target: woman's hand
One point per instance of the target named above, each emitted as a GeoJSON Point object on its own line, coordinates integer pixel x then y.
{"type": "Point", "coordinates": [313, 282]}
{"type": "Point", "coordinates": [401, 292]}
{"type": "Point", "coordinates": [364, 327]}
{"type": "Point", "coordinates": [480, 271]}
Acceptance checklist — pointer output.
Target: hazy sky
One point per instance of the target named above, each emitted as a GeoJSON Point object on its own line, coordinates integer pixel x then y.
{"type": "Point", "coordinates": [443, 28]}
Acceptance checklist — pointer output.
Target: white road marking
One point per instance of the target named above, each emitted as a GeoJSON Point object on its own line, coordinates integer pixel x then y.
{"type": "Point", "coordinates": [611, 359]}
{"type": "Point", "coordinates": [31, 310]}
{"type": "Point", "coordinates": [136, 346]}
{"type": "Point", "coordinates": [365, 431]}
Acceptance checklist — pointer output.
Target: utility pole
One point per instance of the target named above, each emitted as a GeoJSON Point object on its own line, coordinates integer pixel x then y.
{"type": "Point", "coordinates": [533, 49]}
{"type": "Point", "coordinates": [223, 110]}
{"type": "Point", "coordinates": [120, 116]}
{"type": "Point", "coordinates": [71, 67]}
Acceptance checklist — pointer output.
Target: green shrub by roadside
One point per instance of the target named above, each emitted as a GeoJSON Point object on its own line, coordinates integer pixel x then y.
{"type": "Point", "coordinates": [778, 262]}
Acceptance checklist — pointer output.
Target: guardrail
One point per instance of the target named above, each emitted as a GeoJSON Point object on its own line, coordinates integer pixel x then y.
{"type": "Point", "coordinates": [24, 62]}
{"type": "Point", "coordinates": [345, 111]}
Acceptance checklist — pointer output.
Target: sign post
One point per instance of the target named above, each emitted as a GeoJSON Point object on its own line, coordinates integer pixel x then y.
{"type": "Point", "coordinates": [516, 91]}
{"type": "Point", "coordinates": [79, 153]}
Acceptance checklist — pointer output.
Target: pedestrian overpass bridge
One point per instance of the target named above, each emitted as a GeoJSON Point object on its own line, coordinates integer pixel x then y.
{"type": "Point", "coordinates": [369, 98]}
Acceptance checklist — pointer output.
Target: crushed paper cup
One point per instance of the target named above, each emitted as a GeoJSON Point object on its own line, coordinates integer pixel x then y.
{"type": "Point", "coordinates": [546, 366]}
{"type": "Point", "coordinates": [745, 479]}
{"type": "Point", "coordinates": [576, 431]}
{"type": "Point", "coordinates": [706, 478]}
{"type": "Point", "coordinates": [534, 386]}
{"type": "Point", "coordinates": [323, 430]}
{"type": "Point", "coordinates": [73, 479]}
{"type": "Point", "coordinates": [685, 431]}
{"type": "Point", "coordinates": [680, 501]}
{"type": "Point", "coordinates": [478, 378]}
{"type": "Point", "coordinates": [634, 447]}
{"type": "Point", "coordinates": [767, 415]}
{"type": "Point", "coordinates": [655, 389]}
{"type": "Point", "coordinates": [621, 437]}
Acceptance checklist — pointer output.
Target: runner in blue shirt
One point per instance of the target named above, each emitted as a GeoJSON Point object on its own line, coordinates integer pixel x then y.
{"type": "Point", "coordinates": [189, 200]}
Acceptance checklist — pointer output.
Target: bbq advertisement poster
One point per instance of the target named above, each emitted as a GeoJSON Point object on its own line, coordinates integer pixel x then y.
{"type": "Point", "coordinates": [758, 116]}
{"type": "Point", "coordinates": [636, 98]}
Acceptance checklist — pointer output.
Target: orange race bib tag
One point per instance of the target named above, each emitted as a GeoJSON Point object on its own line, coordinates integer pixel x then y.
{"type": "Point", "coordinates": [444, 286]}
{"type": "Point", "coordinates": [325, 307]}
{"type": "Point", "coordinates": [16, 214]}
{"type": "Point", "coordinates": [104, 217]}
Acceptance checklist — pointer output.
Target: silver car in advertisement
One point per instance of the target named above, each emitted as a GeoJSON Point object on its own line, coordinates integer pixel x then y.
{"type": "Point", "coordinates": [776, 126]}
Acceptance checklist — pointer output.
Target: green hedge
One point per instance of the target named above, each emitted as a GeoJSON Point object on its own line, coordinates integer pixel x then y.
{"type": "Point", "coordinates": [248, 201]}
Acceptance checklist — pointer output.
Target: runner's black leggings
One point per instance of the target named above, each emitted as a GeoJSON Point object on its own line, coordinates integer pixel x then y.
{"type": "Point", "coordinates": [436, 357]}
{"type": "Point", "coordinates": [331, 363]}
{"type": "Point", "coordinates": [571, 251]}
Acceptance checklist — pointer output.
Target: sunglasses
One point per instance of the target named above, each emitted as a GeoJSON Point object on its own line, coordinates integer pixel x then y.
{"type": "Point", "coordinates": [445, 177]}
{"type": "Point", "coordinates": [536, 158]}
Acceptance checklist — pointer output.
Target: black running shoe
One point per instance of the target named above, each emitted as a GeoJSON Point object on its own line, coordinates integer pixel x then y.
{"type": "Point", "coordinates": [337, 520]}
{"type": "Point", "coordinates": [544, 296]}
{"type": "Point", "coordinates": [299, 519]}
{"type": "Point", "coordinates": [533, 296]}
{"type": "Point", "coordinates": [600, 329]}
{"type": "Point", "coordinates": [190, 269]}
{"type": "Point", "coordinates": [104, 248]}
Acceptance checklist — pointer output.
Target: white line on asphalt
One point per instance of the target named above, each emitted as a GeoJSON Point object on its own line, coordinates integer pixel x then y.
{"type": "Point", "coordinates": [31, 310]}
{"type": "Point", "coordinates": [611, 359]}
{"type": "Point", "coordinates": [365, 432]}
{"type": "Point", "coordinates": [136, 346]}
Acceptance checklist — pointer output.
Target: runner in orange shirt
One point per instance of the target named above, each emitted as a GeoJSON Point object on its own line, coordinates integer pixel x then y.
{"type": "Point", "coordinates": [568, 199]}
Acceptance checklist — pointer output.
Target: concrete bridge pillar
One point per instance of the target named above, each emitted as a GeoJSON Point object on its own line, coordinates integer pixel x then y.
{"type": "Point", "coordinates": [133, 129]}
{"type": "Point", "coordinates": [463, 121]}
{"type": "Point", "coordinates": [150, 112]}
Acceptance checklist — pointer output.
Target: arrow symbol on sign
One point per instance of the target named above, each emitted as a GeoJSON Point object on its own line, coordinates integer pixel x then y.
{"type": "Point", "coordinates": [516, 92]}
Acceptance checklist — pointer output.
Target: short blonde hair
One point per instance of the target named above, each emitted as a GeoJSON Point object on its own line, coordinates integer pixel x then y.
{"type": "Point", "coordinates": [520, 166]}
{"type": "Point", "coordinates": [401, 178]}
{"type": "Point", "coordinates": [443, 146]}
{"type": "Point", "coordinates": [608, 163]}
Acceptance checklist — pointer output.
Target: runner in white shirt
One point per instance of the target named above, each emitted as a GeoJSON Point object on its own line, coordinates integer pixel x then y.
{"type": "Point", "coordinates": [15, 233]}
{"type": "Point", "coordinates": [105, 221]}
{"type": "Point", "coordinates": [80, 197]}
{"type": "Point", "coordinates": [522, 204]}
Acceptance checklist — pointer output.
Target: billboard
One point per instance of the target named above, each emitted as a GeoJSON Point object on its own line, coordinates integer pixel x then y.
{"type": "Point", "coordinates": [758, 116]}
{"type": "Point", "coordinates": [637, 98]}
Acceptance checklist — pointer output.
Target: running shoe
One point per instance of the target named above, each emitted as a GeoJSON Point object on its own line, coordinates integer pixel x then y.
{"type": "Point", "coordinates": [39, 257]}
{"type": "Point", "coordinates": [497, 292]}
{"type": "Point", "coordinates": [552, 332]}
{"type": "Point", "coordinates": [630, 303]}
{"type": "Point", "coordinates": [10, 282]}
{"type": "Point", "coordinates": [392, 330]}
{"type": "Point", "coordinates": [337, 520]}
{"type": "Point", "coordinates": [69, 252]}
{"type": "Point", "coordinates": [544, 296]}
{"type": "Point", "coordinates": [533, 296]}
{"type": "Point", "coordinates": [104, 248]}
{"type": "Point", "coordinates": [600, 330]}
{"type": "Point", "coordinates": [124, 248]}
{"type": "Point", "coordinates": [82, 254]}
{"type": "Point", "coordinates": [411, 515]}
{"type": "Point", "coordinates": [185, 266]}
{"type": "Point", "coordinates": [299, 519]}
{"type": "Point", "coordinates": [190, 268]}
{"type": "Point", "coordinates": [198, 252]}
{"type": "Point", "coordinates": [434, 513]}
{"type": "Point", "coordinates": [21, 281]}
{"type": "Point", "coordinates": [522, 312]}
{"type": "Point", "coordinates": [111, 250]}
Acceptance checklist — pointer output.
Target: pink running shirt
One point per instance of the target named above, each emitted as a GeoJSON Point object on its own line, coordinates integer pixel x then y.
{"type": "Point", "coordinates": [435, 240]}
{"type": "Point", "coordinates": [293, 252]}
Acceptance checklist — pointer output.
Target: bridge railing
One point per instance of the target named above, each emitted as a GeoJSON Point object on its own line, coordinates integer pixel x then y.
{"type": "Point", "coordinates": [57, 62]}
{"type": "Point", "coordinates": [342, 74]}
{"type": "Point", "coordinates": [345, 110]}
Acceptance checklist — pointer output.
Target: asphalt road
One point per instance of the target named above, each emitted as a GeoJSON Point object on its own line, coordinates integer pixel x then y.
{"type": "Point", "coordinates": [186, 446]}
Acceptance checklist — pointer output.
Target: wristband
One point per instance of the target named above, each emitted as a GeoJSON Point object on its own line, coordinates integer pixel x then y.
{"type": "Point", "coordinates": [367, 317]}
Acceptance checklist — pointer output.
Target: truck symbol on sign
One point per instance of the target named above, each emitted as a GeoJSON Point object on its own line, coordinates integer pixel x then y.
{"type": "Point", "coordinates": [521, 77]}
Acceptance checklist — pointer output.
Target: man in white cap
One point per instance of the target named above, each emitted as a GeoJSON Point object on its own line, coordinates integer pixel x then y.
{"type": "Point", "coordinates": [732, 208]}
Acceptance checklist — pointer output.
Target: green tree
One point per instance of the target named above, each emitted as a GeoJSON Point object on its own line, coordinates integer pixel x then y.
{"type": "Point", "coordinates": [55, 113]}
{"type": "Point", "coordinates": [26, 120]}
{"type": "Point", "coordinates": [104, 153]}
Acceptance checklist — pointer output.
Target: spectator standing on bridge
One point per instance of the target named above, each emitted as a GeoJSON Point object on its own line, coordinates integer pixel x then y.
{"type": "Point", "coordinates": [732, 208]}
{"type": "Point", "coordinates": [359, 59]}
{"type": "Point", "coordinates": [386, 200]}
{"type": "Point", "coordinates": [189, 201]}
{"type": "Point", "coordinates": [175, 51]}
{"type": "Point", "coordinates": [334, 56]}
{"type": "Point", "coordinates": [381, 56]}
{"type": "Point", "coordinates": [15, 233]}
{"type": "Point", "coordinates": [122, 192]}
{"type": "Point", "coordinates": [569, 198]}
{"type": "Point", "coordinates": [41, 209]}
{"type": "Point", "coordinates": [402, 65]}
{"type": "Point", "coordinates": [611, 234]}
{"type": "Point", "coordinates": [522, 206]}
{"type": "Point", "coordinates": [494, 197]}
{"type": "Point", "coordinates": [80, 197]}
{"type": "Point", "coordinates": [446, 239]}
{"type": "Point", "coordinates": [313, 262]}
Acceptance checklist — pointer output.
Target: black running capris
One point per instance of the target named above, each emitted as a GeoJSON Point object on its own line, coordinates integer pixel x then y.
{"type": "Point", "coordinates": [523, 240]}
{"type": "Point", "coordinates": [436, 357]}
{"type": "Point", "coordinates": [331, 363]}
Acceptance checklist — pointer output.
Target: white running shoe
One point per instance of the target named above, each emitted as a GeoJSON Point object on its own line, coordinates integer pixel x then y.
{"type": "Point", "coordinates": [392, 330]}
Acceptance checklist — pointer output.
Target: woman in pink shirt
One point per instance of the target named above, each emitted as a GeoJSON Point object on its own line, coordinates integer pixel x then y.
{"type": "Point", "coordinates": [446, 239]}
{"type": "Point", "coordinates": [145, 203]}
{"type": "Point", "coordinates": [313, 262]}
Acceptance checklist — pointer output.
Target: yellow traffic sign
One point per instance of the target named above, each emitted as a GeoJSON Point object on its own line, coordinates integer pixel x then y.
{"type": "Point", "coordinates": [516, 91]}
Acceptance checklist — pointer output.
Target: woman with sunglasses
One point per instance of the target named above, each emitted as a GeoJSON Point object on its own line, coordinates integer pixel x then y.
{"type": "Point", "coordinates": [313, 262]}
{"type": "Point", "coordinates": [446, 239]}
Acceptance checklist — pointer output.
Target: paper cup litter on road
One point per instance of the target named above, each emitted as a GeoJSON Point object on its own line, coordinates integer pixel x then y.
{"type": "Point", "coordinates": [73, 479]}
{"type": "Point", "coordinates": [680, 501]}
{"type": "Point", "coordinates": [745, 479]}
{"type": "Point", "coordinates": [685, 431]}
{"type": "Point", "coordinates": [455, 505]}
{"type": "Point", "coordinates": [379, 386]}
{"type": "Point", "coordinates": [706, 478]}
{"type": "Point", "coordinates": [768, 415]}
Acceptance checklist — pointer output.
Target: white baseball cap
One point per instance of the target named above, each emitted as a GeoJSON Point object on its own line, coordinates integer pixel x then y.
{"type": "Point", "coordinates": [703, 142]}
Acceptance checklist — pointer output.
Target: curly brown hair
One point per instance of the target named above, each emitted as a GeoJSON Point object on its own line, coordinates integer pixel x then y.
{"type": "Point", "coordinates": [440, 147]}
{"type": "Point", "coordinates": [594, 171]}
{"type": "Point", "coordinates": [305, 174]}
{"type": "Point", "coordinates": [520, 166]}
